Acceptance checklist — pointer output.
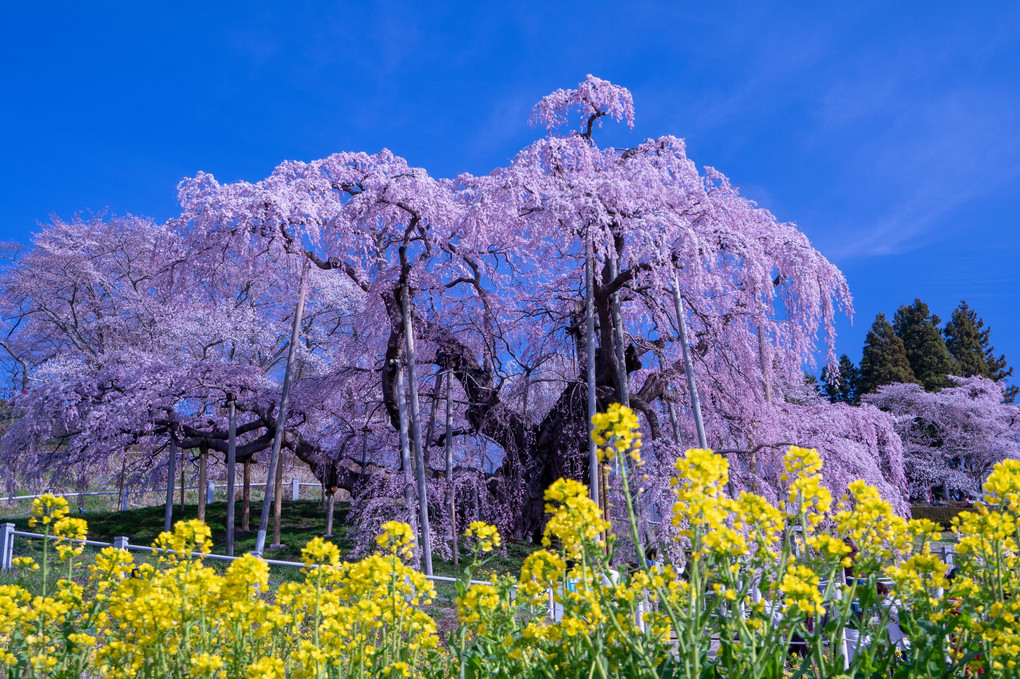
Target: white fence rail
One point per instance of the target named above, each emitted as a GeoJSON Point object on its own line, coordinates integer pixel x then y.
{"type": "Point", "coordinates": [8, 533]}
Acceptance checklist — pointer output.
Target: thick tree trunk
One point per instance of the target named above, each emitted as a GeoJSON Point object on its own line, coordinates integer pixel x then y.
{"type": "Point", "coordinates": [535, 455]}
{"type": "Point", "coordinates": [558, 446]}
{"type": "Point", "coordinates": [622, 387]}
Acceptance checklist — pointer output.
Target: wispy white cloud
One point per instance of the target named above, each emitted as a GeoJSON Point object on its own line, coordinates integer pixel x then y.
{"type": "Point", "coordinates": [923, 162]}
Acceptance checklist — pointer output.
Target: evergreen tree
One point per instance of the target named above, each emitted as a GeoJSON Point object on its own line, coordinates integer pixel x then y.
{"type": "Point", "coordinates": [926, 350]}
{"type": "Point", "coordinates": [813, 386]}
{"type": "Point", "coordinates": [845, 388]}
{"type": "Point", "coordinates": [885, 358]}
{"type": "Point", "coordinates": [968, 342]}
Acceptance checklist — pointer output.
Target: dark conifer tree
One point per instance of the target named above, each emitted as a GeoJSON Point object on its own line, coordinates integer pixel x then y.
{"type": "Point", "coordinates": [885, 359]}
{"type": "Point", "coordinates": [968, 342]}
{"type": "Point", "coordinates": [846, 387]}
{"type": "Point", "coordinates": [926, 349]}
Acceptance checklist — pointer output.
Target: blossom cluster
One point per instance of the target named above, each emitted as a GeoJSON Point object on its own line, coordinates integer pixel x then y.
{"type": "Point", "coordinates": [809, 587]}
{"type": "Point", "coordinates": [181, 617]}
{"type": "Point", "coordinates": [616, 432]}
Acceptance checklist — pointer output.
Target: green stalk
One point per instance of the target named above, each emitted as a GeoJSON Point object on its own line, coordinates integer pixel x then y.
{"type": "Point", "coordinates": [46, 558]}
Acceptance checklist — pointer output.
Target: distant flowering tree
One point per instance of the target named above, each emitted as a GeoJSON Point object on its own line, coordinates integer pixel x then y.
{"type": "Point", "coordinates": [488, 271]}
{"type": "Point", "coordinates": [131, 333]}
{"type": "Point", "coordinates": [951, 439]}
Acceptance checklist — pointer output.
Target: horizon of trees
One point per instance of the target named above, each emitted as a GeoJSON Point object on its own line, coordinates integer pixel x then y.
{"type": "Point", "coordinates": [945, 387]}
{"type": "Point", "coordinates": [914, 350]}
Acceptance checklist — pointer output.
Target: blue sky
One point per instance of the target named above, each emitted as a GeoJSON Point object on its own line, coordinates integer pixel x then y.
{"type": "Point", "coordinates": [889, 132]}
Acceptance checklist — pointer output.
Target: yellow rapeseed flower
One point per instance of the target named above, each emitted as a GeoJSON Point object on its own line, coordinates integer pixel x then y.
{"type": "Point", "coordinates": [576, 519]}
{"type": "Point", "coordinates": [486, 534]}
{"type": "Point", "coordinates": [47, 509]}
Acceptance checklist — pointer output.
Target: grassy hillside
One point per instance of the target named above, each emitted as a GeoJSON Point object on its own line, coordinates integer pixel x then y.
{"type": "Point", "coordinates": [302, 521]}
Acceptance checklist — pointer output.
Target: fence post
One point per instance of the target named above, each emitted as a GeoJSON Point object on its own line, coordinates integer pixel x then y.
{"type": "Point", "coordinates": [123, 499]}
{"type": "Point", "coordinates": [939, 591]}
{"type": "Point", "coordinates": [844, 647]}
{"type": "Point", "coordinates": [295, 489]}
{"type": "Point", "coordinates": [6, 546]}
{"type": "Point", "coordinates": [210, 492]}
{"type": "Point", "coordinates": [120, 543]}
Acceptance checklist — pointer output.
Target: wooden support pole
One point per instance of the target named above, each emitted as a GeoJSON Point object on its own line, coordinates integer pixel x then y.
{"type": "Point", "coordinates": [122, 494]}
{"type": "Point", "coordinates": [203, 473]}
{"type": "Point", "coordinates": [604, 480]}
{"type": "Point", "coordinates": [246, 497]}
{"type": "Point", "coordinates": [419, 455]}
{"type": "Point", "coordinates": [674, 422]}
{"type": "Point", "coordinates": [405, 451]}
{"type": "Point", "coordinates": [451, 491]}
{"type": "Point", "coordinates": [685, 347]}
{"type": "Point", "coordinates": [168, 512]}
{"type": "Point", "coordinates": [763, 357]}
{"type": "Point", "coordinates": [231, 465]}
{"type": "Point", "coordinates": [589, 345]}
{"type": "Point", "coordinates": [330, 501]}
{"type": "Point", "coordinates": [281, 419]}
{"type": "Point", "coordinates": [433, 416]}
{"type": "Point", "coordinates": [277, 504]}
{"type": "Point", "coordinates": [182, 482]}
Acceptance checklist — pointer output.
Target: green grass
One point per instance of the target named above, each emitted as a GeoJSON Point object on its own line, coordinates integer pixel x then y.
{"type": "Point", "coordinates": [302, 521]}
